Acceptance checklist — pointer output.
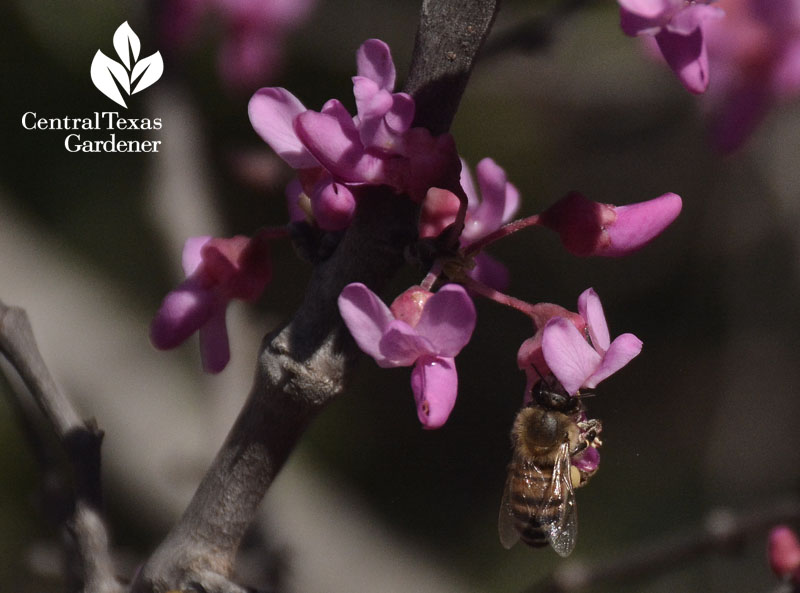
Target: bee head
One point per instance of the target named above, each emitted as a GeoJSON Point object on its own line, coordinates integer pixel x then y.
{"type": "Point", "coordinates": [551, 395]}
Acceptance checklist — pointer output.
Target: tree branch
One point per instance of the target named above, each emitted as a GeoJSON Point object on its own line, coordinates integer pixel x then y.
{"type": "Point", "coordinates": [89, 558]}
{"type": "Point", "coordinates": [305, 364]}
{"type": "Point", "coordinates": [722, 531]}
{"type": "Point", "coordinates": [449, 38]}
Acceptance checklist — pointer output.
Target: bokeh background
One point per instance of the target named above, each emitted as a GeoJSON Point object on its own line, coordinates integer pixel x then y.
{"type": "Point", "coordinates": [706, 418]}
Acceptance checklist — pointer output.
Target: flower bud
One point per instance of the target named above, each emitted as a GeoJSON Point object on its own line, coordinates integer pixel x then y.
{"type": "Point", "coordinates": [783, 550]}
{"type": "Point", "coordinates": [591, 228]}
{"type": "Point", "coordinates": [409, 305]}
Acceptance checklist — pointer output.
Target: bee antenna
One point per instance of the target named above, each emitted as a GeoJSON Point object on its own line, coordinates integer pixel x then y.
{"type": "Point", "coordinates": [584, 394]}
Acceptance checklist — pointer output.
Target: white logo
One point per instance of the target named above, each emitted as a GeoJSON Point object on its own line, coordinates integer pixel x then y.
{"type": "Point", "coordinates": [133, 75]}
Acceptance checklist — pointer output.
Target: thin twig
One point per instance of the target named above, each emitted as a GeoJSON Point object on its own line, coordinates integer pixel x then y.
{"type": "Point", "coordinates": [89, 557]}
{"type": "Point", "coordinates": [722, 531]}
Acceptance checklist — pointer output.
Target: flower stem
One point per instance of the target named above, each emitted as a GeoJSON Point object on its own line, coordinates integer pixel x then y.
{"type": "Point", "coordinates": [505, 230]}
{"type": "Point", "coordinates": [432, 276]}
{"type": "Point", "coordinates": [490, 293]}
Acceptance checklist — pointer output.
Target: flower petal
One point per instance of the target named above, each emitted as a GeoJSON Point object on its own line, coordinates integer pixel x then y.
{"type": "Point", "coordinates": [488, 216]}
{"type": "Point", "coordinates": [687, 56]}
{"type": "Point", "coordinates": [650, 9]}
{"type": "Point", "coordinates": [272, 112]}
{"type": "Point", "coordinates": [214, 348]}
{"type": "Point", "coordinates": [401, 345]}
{"type": "Point", "coordinates": [622, 350]}
{"type": "Point", "coordinates": [638, 224]}
{"type": "Point", "coordinates": [448, 320]}
{"type": "Point", "coordinates": [183, 311]}
{"type": "Point", "coordinates": [366, 316]}
{"type": "Point", "coordinates": [511, 202]}
{"type": "Point", "coordinates": [294, 193]}
{"type": "Point", "coordinates": [374, 61]}
{"type": "Point", "coordinates": [690, 18]}
{"type": "Point", "coordinates": [783, 550]}
{"type": "Point", "coordinates": [490, 272]}
{"type": "Point", "coordinates": [435, 385]}
{"type": "Point", "coordinates": [192, 257]}
{"type": "Point", "coordinates": [569, 356]}
{"type": "Point", "coordinates": [439, 209]}
{"type": "Point", "coordinates": [334, 140]}
{"type": "Point", "coordinates": [468, 185]}
{"type": "Point", "coordinates": [333, 205]}
{"type": "Point", "coordinates": [591, 310]}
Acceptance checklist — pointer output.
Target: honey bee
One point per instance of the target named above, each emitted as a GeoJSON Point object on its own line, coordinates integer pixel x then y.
{"type": "Point", "coordinates": [538, 504]}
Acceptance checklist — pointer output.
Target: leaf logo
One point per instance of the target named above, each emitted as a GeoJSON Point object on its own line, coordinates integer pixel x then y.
{"type": "Point", "coordinates": [132, 75]}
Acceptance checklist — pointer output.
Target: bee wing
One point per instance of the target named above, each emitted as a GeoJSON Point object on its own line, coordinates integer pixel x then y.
{"type": "Point", "coordinates": [505, 522]}
{"type": "Point", "coordinates": [563, 532]}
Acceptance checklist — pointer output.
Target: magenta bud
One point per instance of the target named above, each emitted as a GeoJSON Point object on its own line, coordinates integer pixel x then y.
{"type": "Point", "coordinates": [408, 306]}
{"type": "Point", "coordinates": [333, 205]}
{"type": "Point", "coordinates": [590, 228]}
{"type": "Point", "coordinates": [783, 550]}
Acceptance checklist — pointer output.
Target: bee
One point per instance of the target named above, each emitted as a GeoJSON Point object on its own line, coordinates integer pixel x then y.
{"type": "Point", "coordinates": [538, 504]}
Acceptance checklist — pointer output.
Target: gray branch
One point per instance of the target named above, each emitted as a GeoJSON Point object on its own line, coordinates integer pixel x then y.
{"type": "Point", "coordinates": [449, 38]}
{"type": "Point", "coordinates": [89, 561]}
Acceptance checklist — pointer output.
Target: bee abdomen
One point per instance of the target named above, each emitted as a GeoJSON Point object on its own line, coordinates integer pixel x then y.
{"type": "Point", "coordinates": [535, 537]}
{"type": "Point", "coordinates": [533, 505]}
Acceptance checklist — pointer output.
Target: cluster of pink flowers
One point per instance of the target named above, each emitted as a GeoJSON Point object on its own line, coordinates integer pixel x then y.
{"type": "Point", "coordinates": [574, 348]}
{"type": "Point", "coordinates": [744, 54]}
{"type": "Point", "coordinates": [496, 205]}
{"type": "Point", "coordinates": [335, 153]}
{"type": "Point", "coordinates": [754, 54]}
{"type": "Point", "coordinates": [217, 271]}
{"type": "Point", "coordinates": [678, 28]}
{"type": "Point", "coordinates": [254, 33]}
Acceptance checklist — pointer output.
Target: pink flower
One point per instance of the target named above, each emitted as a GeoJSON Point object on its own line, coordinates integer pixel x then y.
{"type": "Point", "coordinates": [678, 27]}
{"type": "Point", "coordinates": [421, 329]}
{"type": "Point", "coordinates": [576, 349]}
{"type": "Point", "coordinates": [217, 271]}
{"type": "Point", "coordinates": [334, 151]}
{"type": "Point", "coordinates": [783, 551]}
{"type": "Point", "coordinates": [755, 55]}
{"type": "Point", "coordinates": [254, 33]}
{"type": "Point", "coordinates": [591, 228]}
{"type": "Point", "coordinates": [496, 204]}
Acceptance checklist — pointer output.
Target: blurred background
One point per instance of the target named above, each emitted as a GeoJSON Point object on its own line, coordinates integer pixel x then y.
{"type": "Point", "coordinates": [705, 418]}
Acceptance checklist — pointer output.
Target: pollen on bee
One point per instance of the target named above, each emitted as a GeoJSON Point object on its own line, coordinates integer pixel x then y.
{"type": "Point", "coordinates": [575, 476]}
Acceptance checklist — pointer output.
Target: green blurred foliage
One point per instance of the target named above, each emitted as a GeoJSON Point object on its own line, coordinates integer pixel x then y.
{"type": "Point", "coordinates": [588, 113]}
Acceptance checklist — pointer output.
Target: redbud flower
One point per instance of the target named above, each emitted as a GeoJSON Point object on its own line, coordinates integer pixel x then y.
{"type": "Point", "coordinates": [421, 329]}
{"type": "Point", "coordinates": [783, 550]}
{"type": "Point", "coordinates": [332, 150]}
{"type": "Point", "coordinates": [253, 33]}
{"type": "Point", "coordinates": [577, 362]}
{"type": "Point", "coordinates": [217, 271]}
{"type": "Point", "coordinates": [678, 29]}
{"type": "Point", "coordinates": [496, 204]}
{"type": "Point", "coordinates": [755, 55]}
{"type": "Point", "coordinates": [591, 228]}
